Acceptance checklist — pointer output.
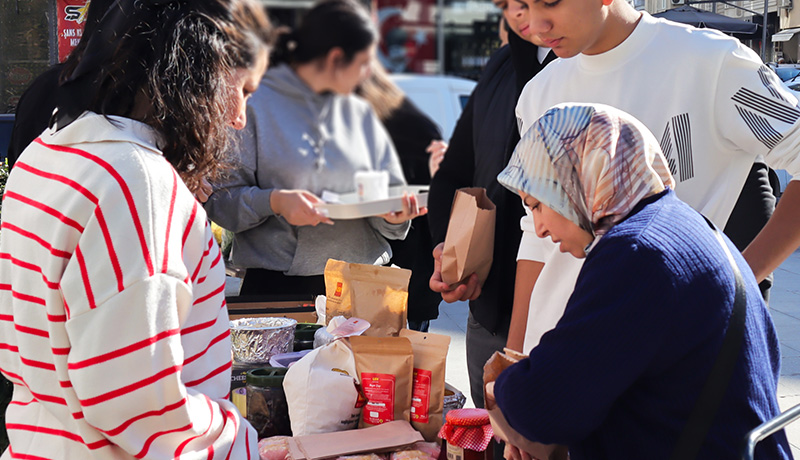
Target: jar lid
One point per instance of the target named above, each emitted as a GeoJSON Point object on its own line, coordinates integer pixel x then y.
{"type": "Point", "coordinates": [467, 417]}
{"type": "Point", "coordinates": [266, 377]}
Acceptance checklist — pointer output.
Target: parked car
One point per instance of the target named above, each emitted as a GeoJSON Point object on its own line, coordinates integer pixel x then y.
{"type": "Point", "coordinates": [440, 97]}
{"type": "Point", "coordinates": [787, 74]}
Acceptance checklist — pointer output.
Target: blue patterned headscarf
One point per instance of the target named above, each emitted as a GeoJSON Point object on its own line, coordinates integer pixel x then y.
{"type": "Point", "coordinates": [590, 163]}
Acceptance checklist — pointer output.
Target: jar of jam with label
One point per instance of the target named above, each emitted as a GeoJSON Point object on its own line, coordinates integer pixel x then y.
{"type": "Point", "coordinates": [467, 435]}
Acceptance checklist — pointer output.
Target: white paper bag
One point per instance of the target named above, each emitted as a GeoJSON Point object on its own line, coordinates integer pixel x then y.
{"type": "Point", "coordinates": [321, 391]}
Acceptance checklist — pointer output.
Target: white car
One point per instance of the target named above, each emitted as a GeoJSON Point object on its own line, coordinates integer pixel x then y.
{"type": "Point", "coordinates": [440, 97]}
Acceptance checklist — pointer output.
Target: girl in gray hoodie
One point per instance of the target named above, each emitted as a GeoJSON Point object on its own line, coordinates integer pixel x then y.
{"type": "Point", "coordinates": [306, 132]}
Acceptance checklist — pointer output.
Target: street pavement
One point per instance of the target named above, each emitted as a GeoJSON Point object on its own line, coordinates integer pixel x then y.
{"type": "Point", "coordinates": [784, 306]}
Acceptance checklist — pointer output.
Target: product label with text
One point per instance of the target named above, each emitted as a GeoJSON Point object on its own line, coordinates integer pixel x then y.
{"type": "Point", "coordinates": [421, 397]}
{"type": "Point", "coordinates": [379, 389]}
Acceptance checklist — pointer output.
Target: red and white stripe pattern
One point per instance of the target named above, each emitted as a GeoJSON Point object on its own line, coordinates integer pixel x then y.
{"type": "Point", "coordinates": [113, 325]}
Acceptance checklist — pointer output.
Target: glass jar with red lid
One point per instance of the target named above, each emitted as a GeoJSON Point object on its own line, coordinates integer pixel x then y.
{"type": "Point", "coordinates": [468, 435]}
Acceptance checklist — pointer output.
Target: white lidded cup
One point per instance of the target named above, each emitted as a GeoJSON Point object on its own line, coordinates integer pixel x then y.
{"type": "Point", "coordinates": [372, 185]}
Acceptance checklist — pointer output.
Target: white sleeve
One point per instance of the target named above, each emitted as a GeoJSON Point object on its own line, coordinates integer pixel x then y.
{"type": "Point", "coordinates": [756, 112]}
{"type": "Point", "coordinates": [531, 247]}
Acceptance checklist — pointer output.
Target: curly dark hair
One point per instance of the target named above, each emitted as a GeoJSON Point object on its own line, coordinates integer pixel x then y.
{"type": "Point", "coordinates": [177, 56]}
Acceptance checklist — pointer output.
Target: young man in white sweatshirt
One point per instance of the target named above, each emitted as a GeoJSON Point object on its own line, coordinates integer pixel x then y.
{"type": "Point", "coordinates": [712, 103]}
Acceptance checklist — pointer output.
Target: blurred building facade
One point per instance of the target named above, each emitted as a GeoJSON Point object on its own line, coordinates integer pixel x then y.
{"type": "Point", "coordinates": [453, 37]}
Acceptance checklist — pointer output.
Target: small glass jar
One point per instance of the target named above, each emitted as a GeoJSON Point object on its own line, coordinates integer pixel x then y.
{"type": "Point", "coordinates": [267, 410]}
{"type": "Point", "coordinates": [467, 435]}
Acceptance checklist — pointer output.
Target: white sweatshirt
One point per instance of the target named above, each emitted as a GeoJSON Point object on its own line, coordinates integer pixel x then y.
{"type": "Point", "coordinates": [712, 103]}
{"type": "Point", "coordinates": [113, 325]}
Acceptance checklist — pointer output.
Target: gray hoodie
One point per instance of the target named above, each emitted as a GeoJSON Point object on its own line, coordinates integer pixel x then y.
{"type": "Point", "coordinates": [297, 139]}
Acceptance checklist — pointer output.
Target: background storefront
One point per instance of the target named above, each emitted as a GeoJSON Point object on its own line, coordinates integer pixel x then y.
{"type": "Point", "coordinates": [453, 37]}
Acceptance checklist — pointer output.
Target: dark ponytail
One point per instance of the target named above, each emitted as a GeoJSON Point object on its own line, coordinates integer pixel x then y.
{"type": "Point", "coordinates": [329, 24]}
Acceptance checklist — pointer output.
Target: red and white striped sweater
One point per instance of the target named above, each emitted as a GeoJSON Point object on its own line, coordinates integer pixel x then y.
{"type": "Point", "coordinates": [113, 324]}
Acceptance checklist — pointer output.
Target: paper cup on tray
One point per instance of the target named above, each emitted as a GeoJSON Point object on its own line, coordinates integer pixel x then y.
{"type": "Point", "coordinates": [372, 185]}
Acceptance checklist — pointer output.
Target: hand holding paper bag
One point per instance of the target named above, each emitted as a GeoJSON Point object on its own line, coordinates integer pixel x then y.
{"type": "Point", "coordinates": [491, 370]}
{"type": "Point", "coordinates": [469, 243]}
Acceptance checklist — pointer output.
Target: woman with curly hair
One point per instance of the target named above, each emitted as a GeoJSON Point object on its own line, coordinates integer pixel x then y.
{"type": "Point", "coordinates": [113, 326]}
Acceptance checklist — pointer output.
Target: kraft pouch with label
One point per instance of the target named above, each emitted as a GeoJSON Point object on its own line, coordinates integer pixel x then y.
{"type": "Point", "coordinates": [371, 292]}
{"type": "Point", "coordinates": [385, 367]}
{"type": "Point", "coordinates": [469, 242]}
{"type": "Point", "coordinates": [427, 398]}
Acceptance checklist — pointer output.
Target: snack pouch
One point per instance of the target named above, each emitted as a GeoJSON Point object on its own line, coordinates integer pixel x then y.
{"type": "Point", "coordinates": [427, 398]}
{"type": "Point", "coordinates": [371, 292]}
{"type": "Point", "coordinates": [385, 367]}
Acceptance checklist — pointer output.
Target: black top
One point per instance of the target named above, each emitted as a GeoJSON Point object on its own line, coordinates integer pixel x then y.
{"type": "Point", "coordinates": [411, 132]}
{"type": "Point", "coordinates": [34, 110]}
{"type": "Point", "coordinates": [483, 141]}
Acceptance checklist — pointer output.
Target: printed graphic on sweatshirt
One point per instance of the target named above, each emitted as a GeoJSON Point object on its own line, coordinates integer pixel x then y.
{"type": "Point", "coordinates": [676, 143]}
{"type": "Point", "coordinates": [760, 112]}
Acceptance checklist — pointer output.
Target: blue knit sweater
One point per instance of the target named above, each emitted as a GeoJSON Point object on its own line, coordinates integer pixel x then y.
{"type": "Point", "coordinates": [618, 376]}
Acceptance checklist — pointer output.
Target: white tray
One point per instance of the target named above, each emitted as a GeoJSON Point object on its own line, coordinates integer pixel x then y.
{"type": "Point", "coordinates": [348, 206]}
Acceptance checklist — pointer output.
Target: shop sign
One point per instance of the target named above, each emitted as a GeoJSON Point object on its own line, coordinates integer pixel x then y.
{"type": "Point", "coordinates": [71, 20]}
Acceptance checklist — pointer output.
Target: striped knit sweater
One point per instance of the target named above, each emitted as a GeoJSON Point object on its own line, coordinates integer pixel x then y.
{"type": "Point", "coordinates": [113, 325]}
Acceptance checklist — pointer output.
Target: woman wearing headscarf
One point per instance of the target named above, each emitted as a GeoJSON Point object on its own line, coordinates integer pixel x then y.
{"type": "Point", "coordinates": [620, 374]}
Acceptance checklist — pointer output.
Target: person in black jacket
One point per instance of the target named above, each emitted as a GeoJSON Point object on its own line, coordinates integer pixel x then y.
{"type": "Point", "coordinates": [482, 143]}
{"type": "Point", "coordinates": [36, 105]}
{"type": "Point", "coordinates": [411, 132]}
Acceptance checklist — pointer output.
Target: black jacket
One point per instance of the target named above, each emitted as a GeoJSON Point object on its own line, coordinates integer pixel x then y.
{"type": "Point", "coordinates": [482, 143]}
{"type": "Point", "coordinates": [33, 112]}
{"type": "Point", "coordinates": [411, 132]}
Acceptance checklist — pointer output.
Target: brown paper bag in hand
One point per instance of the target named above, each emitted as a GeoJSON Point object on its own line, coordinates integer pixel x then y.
{"type": "Point", "coordinates": [469, 243]}
{"type": "Point", "coordinates": [491, 370]}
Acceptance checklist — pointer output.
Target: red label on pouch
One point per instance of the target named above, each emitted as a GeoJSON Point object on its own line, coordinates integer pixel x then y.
{"type": "Point", "coordinates": [421, 398]}
{"type": "Point", "coordinates": [379, 389]}
{"type": "Point", "coordinates": [338, 292]}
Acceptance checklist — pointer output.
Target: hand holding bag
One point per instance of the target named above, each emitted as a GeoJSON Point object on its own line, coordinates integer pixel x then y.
{"type": "Point", "coordinates": [469, 243]}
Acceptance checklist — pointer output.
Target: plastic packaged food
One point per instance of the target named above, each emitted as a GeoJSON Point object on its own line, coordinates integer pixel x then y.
{"type": "Point", "coordinates": [274, 448]}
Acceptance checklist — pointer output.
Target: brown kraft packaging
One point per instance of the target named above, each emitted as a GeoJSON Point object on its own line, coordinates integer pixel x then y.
{"type": "Point", "coordinates": [491, 370]}
{"type": "Point", "coordinates": [469, 242]}
{"type": "Point", "coordinates": [385, 367]}
{"type": "Point", "coordinates": [371, 292]}
{"type": "Point", "coordinates": [427, 397]}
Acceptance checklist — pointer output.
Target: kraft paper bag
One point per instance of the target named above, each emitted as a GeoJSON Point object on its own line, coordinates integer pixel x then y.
{"type": "Point", "coordinates": [469, 243]}
{"type": "Point", "coordinates": [491, 370]}
{"type": "Point", "coordinates": [371, 292]}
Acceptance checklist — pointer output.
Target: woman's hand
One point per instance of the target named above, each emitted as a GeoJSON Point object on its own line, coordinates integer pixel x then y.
{"type": "Point", "coordinates": [204, 190]}
{"type": "Point", "coordinates": [510, 452]}
{"type": "Point", "coordinates": [436, 149]}
{"type": "Point", "coordinates": [411, 209]}
{"type": "Point", "coordinates": [297, 207]}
